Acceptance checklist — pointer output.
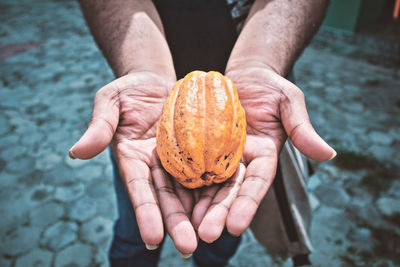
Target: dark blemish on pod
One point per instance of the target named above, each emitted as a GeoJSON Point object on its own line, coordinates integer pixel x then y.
{"type": "Point", "coordinates": [181, 159]}
{"type": "Point", "coordinates": [188, 180]}
{"type": "Point", "coordinates": [204, 175]}
{"type": "Point", "coordinates": [190, 159]}
{"type": "Point", "coordinates": [227, 165]}
{"type": "Point", "coordinates": [237, 125]}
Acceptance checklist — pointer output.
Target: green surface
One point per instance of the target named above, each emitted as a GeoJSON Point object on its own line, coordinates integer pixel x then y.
{"type": "Point", "coordinates": [343, 14]}
{"type": "Point", "coordinates": [352, 15]}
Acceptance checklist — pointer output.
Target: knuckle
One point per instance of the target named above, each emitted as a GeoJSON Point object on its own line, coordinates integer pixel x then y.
{"type": "Point", "coordinates": [251, 201]}
{"type": "Point", "coordinates": [144, 205]}
{"type": "Point", "coordinates": [135, 180]}
{"type": "Point", "coordinates": [102, 93]}
{"type": "Point", "coordinates": [165, 190]}
{"type": "Point", "coordinates": [105, 92]}
{"type": "Point", "coordinates": [292, 134]}
{"type": "Point", "coordinates": [103, 123]}
{"type": "Point", "coordinates": [298, 94]}
{"type": "Point", "coordinates": [220, 205]}
{"type": "Point", "coordinates": [257, 178]}
{"type": "Point", "coordinates": [157, 167]}
{"type": "Point", "coordinates": [108, 94]}
{"type": "Point", "coordinates": [206, 197]}
{"type": "Point", "coordinates": [175, 216]}
{"type": "Point", "coordinates": [291, 94]}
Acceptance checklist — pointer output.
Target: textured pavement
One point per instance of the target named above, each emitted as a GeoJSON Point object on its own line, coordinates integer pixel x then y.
{"type": "Point", "coordinates": [60, 212]}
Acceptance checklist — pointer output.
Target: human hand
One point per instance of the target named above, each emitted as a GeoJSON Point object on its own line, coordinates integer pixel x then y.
{"type": "Point", "coordinates": [275, 109]}
{"type": "Point", "coordinates": [125, 114]}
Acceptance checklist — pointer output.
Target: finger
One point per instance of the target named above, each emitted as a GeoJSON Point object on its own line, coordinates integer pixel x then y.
{"type": "Point", "coordinates": [214, 221]}
{"type": "Point", "coordinates": [203, 201]}
{"type": "Point", "coordinates": [177, 222]}
{"type": "Point", "coordinates": [258, 178]}
{"type": "Point", "coordinates": [138, 182]}
{"type": "Point", "coordinates": [297, 125]}
{"type": "Point", "coordinates": [102, 126]}
{"type": "Point", "coordinates": [185, 196]}
{"type": "Point", "coordinates": [196, 194]}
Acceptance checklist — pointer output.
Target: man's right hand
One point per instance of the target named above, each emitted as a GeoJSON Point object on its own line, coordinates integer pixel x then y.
{"type": "Point", "coordinates": [125, 115]}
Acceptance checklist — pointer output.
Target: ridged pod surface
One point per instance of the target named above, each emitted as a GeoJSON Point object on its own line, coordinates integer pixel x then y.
{"type": "Point", "coordinates": [202, 130]}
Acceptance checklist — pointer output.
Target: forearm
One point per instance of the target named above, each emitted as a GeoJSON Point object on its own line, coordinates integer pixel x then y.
{"type": "Point", "coordinates": [276, 32]}
{"type": "Point", "coordinates": [130, 35]}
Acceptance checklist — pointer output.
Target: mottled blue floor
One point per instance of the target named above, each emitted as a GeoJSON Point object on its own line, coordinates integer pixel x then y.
{"type": "Point", "coordinates": [57, 212]}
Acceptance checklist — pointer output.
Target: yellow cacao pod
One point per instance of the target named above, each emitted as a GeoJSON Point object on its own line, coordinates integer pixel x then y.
{"type": "Point", "coordinates": [202, 130]}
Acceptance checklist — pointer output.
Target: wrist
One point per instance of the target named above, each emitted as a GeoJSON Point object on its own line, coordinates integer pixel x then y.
{"type": "Point", "coordinates": [162, 73]}
{"type": "Point", "coordinates": [240, 65]}
{"type": "Point", "coordinates": [156, 75]}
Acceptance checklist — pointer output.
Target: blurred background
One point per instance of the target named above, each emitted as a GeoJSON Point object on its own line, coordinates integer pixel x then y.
{"type": "Point", "coordinates": [60, 212]}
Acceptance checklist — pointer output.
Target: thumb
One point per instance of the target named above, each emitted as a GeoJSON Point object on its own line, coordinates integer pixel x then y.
{"type": "Point", "coordinates": [102, 126]}
{"type": "Point", "coordinates": [297, 125]}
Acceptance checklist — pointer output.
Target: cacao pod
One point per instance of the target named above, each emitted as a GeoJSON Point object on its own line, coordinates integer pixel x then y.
{"type": "Point", "coordinates": [202, 130]}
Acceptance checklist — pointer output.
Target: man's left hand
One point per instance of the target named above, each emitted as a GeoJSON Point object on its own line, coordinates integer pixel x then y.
{"type": "Point", "coordinates": [275, 109]}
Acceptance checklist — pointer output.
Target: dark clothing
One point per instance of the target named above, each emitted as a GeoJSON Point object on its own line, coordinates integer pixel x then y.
{"type": "Point", "coordinates": [200, 34]}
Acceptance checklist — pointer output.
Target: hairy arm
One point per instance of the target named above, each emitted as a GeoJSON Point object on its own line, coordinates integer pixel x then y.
{"type": "Point", "coordinates": [276, 32]}
{"type": "Point", "coordinates": [126, 112]}
{"type": "Point", "coordinates": [130, 35]}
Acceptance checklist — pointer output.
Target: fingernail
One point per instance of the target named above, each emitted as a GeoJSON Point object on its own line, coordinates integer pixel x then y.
{"type": "Point", "coordinates": [333, 155]}
{"type": "Point", "coordinates": [151, 247]}
{"type": "Point", "coordinates": [186, 256]}
{"type": "Point", "coordinates": [71, 154]}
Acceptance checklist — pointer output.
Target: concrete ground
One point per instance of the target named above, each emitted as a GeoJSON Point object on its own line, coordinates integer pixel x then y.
{"type": "Point", "coordinates": [59, 212]}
